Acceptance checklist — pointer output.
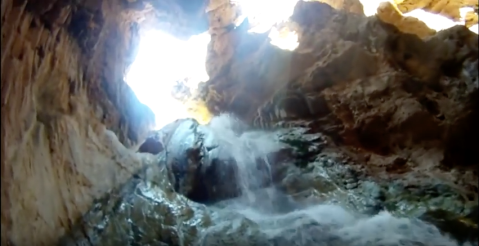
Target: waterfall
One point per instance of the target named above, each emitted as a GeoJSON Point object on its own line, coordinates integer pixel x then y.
{"type": "Point", "coordinates": [277, 215]}
{"type": "Point", "coordinates": [249, 149]}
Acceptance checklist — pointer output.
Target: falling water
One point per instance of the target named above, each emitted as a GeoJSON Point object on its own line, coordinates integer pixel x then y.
{"type": "Point", "coordinates": [248, 148]}
{"type": "Point", "coordinates": [319, 224]}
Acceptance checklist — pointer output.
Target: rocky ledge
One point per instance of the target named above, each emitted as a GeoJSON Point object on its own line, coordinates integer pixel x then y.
{"type": "Point", "coordinates": [156, 207]}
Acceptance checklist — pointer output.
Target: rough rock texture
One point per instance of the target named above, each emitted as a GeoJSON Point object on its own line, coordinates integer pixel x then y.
{"type": "Point", "coordinates": [393, 12]}
{"type": "Point", "coordinates": [203, 166]}
{"type": "Point", "coordinates": [148, 211]}
{"type": "Point", "coordinates": [321, 171]}
{"type": "Point", "coordinates": [449, 9]}
{"type": "Point", "coordinates": [402, 106]}
{"type": "Point", "coordinates": [63, 102]}
{"type": "Point", "coordinates": [196, 168]}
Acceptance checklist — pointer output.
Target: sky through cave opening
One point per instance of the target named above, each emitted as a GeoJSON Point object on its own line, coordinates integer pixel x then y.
{"type": "Point", "coordinates": [161, 62]}
{"type": "Point", "coordinates": [164, 60]}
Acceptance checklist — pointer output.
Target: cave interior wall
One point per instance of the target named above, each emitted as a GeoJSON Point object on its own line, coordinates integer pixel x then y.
{"type": "Point", "coordinates": [70, 125]}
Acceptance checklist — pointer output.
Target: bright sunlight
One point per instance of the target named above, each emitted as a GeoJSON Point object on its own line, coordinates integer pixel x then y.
{"type": "Point", "coordinates": [434, 21]}
{"type": "Point", "coordinates": [263, 15]}
{"type": "Point", "coordinates": [163, 60]}
{"type": "Point", "coordinates": [439, 22]}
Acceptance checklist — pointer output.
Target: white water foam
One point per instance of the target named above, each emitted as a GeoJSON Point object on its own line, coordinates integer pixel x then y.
{"type": "Point", "coordinates": [263, 207]}
{"type": "Point", "coordinates": [246, 147]}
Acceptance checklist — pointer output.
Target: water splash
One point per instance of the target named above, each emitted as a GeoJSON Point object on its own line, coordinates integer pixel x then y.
{"type": "Point", "coordinates": [270, 217]}
{"type": "Point", "coordinates": [249, 149]}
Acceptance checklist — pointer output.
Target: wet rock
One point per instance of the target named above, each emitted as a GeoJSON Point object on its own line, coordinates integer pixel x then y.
{"type": "Point", "coordinates": [151, 145]}
{"type": "Point", "coordinates": [304, 147]}
{"type": "Point", "coordinates": [204, 167]}
{"type": "Point", "coordinates": [148, 210]}
{"type": "Point", "coordinates": [374, 197]}
{"type": "Point", "coordinates": [322, 177]}
{"type": "Point", "coordinates": [371, 84]}
{"type": "Point", "coordinates": [185, 152]}
{"type": "Point", "coordinates": [145, 211]}
{"type": "Point", "coordinates": [267, 201]}
{"type": "Point", "coordinates": [343, 175]}
{"type": "Point", "coordinates": [373, 190]}
{"type": "Point", "coordinates": [461, 228]}
{"type": "Point", "coordinates": [415, 200]}
{"type": "Point", "coordinates": [197, 168]}
{"type": "Point", "coordinates": [297, 180]}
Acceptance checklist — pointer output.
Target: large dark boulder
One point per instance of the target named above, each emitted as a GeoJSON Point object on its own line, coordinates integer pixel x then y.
{"type": "Point", "coordinates": [195, 167]}
{"type": "Point", "coordinates": [205, 167]}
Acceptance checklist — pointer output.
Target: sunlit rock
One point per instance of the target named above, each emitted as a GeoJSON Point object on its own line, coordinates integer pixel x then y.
{"type": "Point", "coordinates": [386, 90]}
{"type": "Point", "coordinates": [147, 210]}
{"type": "Point", "coordinates": [422, 18]}
{"type": "Point", "coordinates": [166, 73]}
{"type": "Point", "coordinates": [399, 107]}
{"type": "Point", "coordinates": [70, 124]}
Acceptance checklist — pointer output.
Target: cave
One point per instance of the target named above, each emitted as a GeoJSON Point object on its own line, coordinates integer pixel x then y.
{"type": "Point", "coordinates": [320, 122]}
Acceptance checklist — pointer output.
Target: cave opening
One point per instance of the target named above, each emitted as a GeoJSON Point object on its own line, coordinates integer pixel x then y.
{"type": "Point", "coordinates": [163, 62]}
{"type": "Point", "coordinates": [287, 173]}
{"type": "Point", "coordinates": [168, 69]}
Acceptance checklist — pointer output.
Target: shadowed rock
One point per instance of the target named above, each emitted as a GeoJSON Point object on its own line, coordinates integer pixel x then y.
{"type": "Point", "coordinates": [147, 211]}
{"type": "Point", "coordinates": [69, 121]}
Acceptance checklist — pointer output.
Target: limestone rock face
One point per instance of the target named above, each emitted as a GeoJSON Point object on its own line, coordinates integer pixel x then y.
{"type": "Point", "coordinates": [147, 210]}
{"type": "Point", "coordinates": [450, 9]}
{"type": "Point", "coordinates": [69, 122]}
{"type": "Point", "coordinates": [70, 126]}
{"type": "Point", "coordinates": [379, 91]}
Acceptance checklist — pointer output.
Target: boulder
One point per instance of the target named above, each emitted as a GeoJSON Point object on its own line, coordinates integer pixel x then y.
{"type": "Point", "coordinates": [70, 124]}
{"type": "Point", "coordinates": [205, 167]}
{"type": "Point", "coordinates": [147, 211]}
{"type": "Point", "coordinates": [151, 145]}
{"type": "Point", "coordinates": [195, 169]}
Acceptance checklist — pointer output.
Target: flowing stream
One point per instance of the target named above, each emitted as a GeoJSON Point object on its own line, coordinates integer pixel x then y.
{"type": "Point", "coordinates": [287, 222]}
{"type": "Point", "coordinates": [147, 210]}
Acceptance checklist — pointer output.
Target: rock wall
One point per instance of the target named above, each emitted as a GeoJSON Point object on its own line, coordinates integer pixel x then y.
{"type": "Point", "coordinates": [380, 90]}
{"type": "Point", "coordinates": [449, 9]}
{"type": "Point", "coordinates": [69, 123]}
